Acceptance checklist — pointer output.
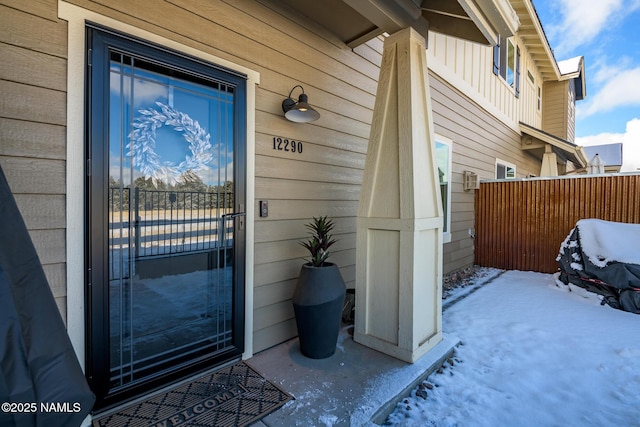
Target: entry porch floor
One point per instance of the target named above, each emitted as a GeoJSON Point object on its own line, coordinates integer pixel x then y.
{"type": "Point", "coordinates": [354, 387]}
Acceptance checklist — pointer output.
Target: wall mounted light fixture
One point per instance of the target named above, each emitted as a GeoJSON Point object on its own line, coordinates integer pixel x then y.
{"type": "Point", "coordinates": [301, 111]}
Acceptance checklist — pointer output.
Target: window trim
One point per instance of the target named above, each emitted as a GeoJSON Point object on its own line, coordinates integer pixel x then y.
{"type": "Point", "coordinates": [531, 77]}
{"type": "Point", "coordinates": [500, 62]}
{"type": "Point", "coordinates": [446, 235]}
{"type": "Point", "coordinates": [539, 98]}
{"type": "Point", "coordinates": [500, 162]}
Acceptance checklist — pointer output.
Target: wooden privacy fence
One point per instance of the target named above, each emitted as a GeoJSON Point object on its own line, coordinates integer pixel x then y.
{"type": "Point", "coordinates": [521, 224]}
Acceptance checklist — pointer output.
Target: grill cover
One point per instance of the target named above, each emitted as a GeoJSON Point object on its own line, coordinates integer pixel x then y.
{"type": "Point", "coordinates": [37, 363]}
{"type": "Point", "coordinates": [602, 257]}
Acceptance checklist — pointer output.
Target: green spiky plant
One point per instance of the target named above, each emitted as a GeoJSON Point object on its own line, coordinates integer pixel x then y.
{"type": "Point", "coordinates": [320, 240]}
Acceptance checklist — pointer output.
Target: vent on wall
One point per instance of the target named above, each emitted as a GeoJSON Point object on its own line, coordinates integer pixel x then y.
{"type": "Point", "coordinates": [471, 180]}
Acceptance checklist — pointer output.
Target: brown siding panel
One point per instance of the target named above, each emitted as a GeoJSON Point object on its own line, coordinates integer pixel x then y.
{"type": "Point", "coordinates": [32, 103]}
{"type": "Point", "coordinates": [521, 224]}
{"type": "Point", "coordinates": [30, 139]}
{"type": "Point", "coordinates": [33, 32]}
{"type": "Point", "coordinates": [33, 79]}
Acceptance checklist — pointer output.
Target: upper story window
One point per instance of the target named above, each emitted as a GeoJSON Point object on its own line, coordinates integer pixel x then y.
{"type": "Point", "coordinates": [539, 98]}
{"type": "Point", "coordinates": [506, 62]}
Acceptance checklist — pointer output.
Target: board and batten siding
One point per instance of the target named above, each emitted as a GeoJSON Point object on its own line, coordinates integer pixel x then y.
{"type": "Point", "coordinates": [478, 139]}
{"type": "Point", "coordinates": [530, 113]}
{"type": "Point", "coordinates": [469, 66]}
{"type": "Point", "coordinates": [33, 45]}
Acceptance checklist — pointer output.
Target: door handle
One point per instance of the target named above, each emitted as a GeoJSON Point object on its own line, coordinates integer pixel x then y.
{"type": "Point", "coordinates": [234, 215]}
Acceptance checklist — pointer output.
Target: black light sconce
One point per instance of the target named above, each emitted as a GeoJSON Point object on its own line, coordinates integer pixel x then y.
{"type": "Point", "coordinates": [301, 111]}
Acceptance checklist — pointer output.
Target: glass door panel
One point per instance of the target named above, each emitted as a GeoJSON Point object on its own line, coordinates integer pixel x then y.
{"type": "Point", "coordinates": [171, 196]}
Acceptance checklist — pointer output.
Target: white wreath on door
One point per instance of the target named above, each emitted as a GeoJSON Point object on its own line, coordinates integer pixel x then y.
{"type": "Point", "coordinates": [142, 147]}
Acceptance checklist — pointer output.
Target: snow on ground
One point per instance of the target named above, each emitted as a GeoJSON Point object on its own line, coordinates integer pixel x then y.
{"type": "Point", "coordinates": [532, 354]}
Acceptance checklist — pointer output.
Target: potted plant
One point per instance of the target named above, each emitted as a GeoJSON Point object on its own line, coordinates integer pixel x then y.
{"type": "Point", "coordinates": [319, 294]}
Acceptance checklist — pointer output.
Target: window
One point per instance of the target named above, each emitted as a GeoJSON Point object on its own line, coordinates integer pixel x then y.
{"type": "Point", "coordinates": [443, 161]}
{"type": "Point", "coordinates": [505, 170]}
{"type": "Point", "coordinates": [539, 98]}
{"type": "Point", "coordinates": [506, 63]}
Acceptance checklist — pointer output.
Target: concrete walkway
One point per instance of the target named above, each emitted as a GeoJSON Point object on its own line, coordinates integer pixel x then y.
{"type": "Point", "coordinates": [356, 386]}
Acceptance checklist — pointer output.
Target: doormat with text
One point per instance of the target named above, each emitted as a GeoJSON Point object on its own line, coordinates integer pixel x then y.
{"type": "Point", "coordinates": [233, 396]}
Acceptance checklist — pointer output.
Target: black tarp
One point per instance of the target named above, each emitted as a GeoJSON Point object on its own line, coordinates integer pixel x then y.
{"type": "Point", "coordinates": [42, 383]}
{"type": "Point", "coordinates": [617, 282]}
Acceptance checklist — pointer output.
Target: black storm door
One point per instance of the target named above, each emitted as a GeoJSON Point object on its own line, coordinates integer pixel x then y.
{"type": "Point", "coordinates": [165, 215]}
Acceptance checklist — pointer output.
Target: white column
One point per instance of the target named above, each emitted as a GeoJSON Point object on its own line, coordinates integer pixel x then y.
{"type": "Point", "coordinates": [549, 162]}
{"type": "Point", "coordinates": [399, 231]}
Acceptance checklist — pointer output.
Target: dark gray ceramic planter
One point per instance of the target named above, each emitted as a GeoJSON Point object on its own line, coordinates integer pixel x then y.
{"type": "Point", "coordinates": [317, 303]}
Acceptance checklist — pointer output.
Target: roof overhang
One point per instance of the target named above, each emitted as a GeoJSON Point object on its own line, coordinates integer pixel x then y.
{"type": "Point", "coordinates": [533, 36]}
{"type": "Point", "coordinates": [480, 21]}
{"type": "Point", "coordinates": [502, 16]}
{"type": "Point", "coordinates": [357, 21]}
{"type": "Point", "coordinates": [574, 69]}
{"type": "Point", "coordinates": [535, 39]}
{"type": "Point", "coordinates": [536, 141]}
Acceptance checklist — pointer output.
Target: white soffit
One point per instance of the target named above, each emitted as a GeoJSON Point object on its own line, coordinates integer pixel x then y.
{"type": "Point", "coordinates": [535, 40]}
{"type": "Point", "coordinates": [480, 21]}
{"type": "Point", "coordinates": [462, 19]}
{"type": "Point", "coordinates": [500, 14]}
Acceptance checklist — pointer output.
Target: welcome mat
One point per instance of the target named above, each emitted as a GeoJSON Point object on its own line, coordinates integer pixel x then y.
{"type": "Point", "coordinates": [233, 396]}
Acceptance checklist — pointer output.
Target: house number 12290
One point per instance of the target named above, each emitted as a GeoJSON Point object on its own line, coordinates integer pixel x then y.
{"type": "Point", "coordinates": [283, 144]}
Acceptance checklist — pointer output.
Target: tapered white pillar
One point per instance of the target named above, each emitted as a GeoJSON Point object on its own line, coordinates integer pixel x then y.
{"type": "Point", "coordinates": [549, 165]}
{"type": "Point", "coordinates": [399, 231]}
